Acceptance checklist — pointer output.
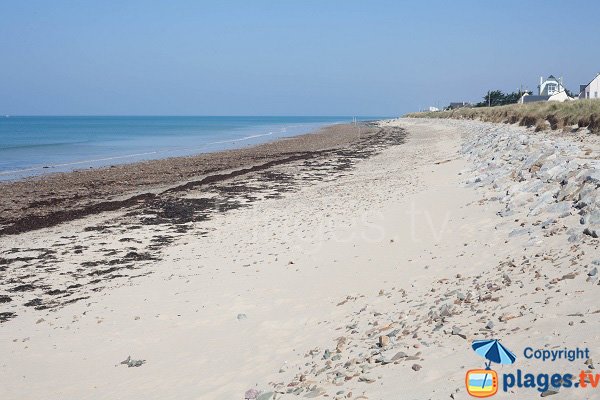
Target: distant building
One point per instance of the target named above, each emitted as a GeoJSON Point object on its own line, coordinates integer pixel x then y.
{"type": "Point", "coordinates": [550, 86]}
{"type": "Point", "coordinates": [455, 105]}
{"type": "Point", "coordinates": [591, 90]}
{"type": "Point", "coordinates": [549, 89]}
{"type": "Point", "coordinates": [432, 109]}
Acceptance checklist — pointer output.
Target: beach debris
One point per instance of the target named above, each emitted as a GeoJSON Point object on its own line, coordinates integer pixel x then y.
{"type": "Point", "coordinates": [5, 316]}
{"type": "Point", "coordinates": [131, 363]}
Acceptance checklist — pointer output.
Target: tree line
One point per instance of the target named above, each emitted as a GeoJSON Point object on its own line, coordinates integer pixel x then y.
{"type": "Point", "coordinates": [499, 98]}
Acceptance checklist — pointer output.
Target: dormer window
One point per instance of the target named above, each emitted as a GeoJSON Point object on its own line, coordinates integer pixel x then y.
{"type": "Point", "coordinates": [552, 88]}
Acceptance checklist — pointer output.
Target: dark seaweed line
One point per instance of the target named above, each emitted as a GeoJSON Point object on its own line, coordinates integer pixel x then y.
{"type": "Point", "coordinates": [31, 223]}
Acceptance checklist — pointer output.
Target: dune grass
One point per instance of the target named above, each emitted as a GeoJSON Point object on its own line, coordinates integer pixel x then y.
{"type": "Point", "coordinates": [567, 116]}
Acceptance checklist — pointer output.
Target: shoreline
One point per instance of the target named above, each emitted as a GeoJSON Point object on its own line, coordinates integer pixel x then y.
{"type": "Point", "coordinates": [350, 275]}
{"type": "Point", "coordinates": [141, 138]}
{"type": "Point", "coordinates": [44, 201]}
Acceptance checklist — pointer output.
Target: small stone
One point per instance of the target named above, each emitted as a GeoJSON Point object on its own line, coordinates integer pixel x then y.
{"type": "Point", "coordinates": [548, 392]}
{"type": "Point", "coordinates": [366, 378]}
{"type": "Point", "coordinates": [384, 341]}
{"type": "Point", "coordinates": [489, 325]}
{"type": "Point", "coordinates": [241, 317]}
{"type": "Point", "coordinates": [251, 394]}
{"type": "Point", "coordinates": [505, 317]}
{"type": "Point", "coordinates": [399, 355]}
{"type": "Point", "coordinates": [456, 331]}
{"type": "Point", "coordinates": [416, 367]}
{"type": "Point", "coordinates": [265, 396]}
{"type": "Point", "coordinates": [593, 272]}
{"type": "Point", "coordinates": [131, 363]}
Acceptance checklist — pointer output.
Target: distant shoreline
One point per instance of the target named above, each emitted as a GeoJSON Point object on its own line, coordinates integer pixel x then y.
{"type": "Point", "coordinates": [47, 200]}
{"type": "Point", "coordinates": [42, 145]}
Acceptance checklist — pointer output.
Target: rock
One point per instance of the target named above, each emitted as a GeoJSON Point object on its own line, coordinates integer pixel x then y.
{"type": "Point", "coordinates": [131, 363]}
{"type": "Point", "coordinates": [366, 378]}
{"type": "Point", "coordinates": [399, 355]}
{"type": "Point", "coordinates": [548, 392]}
{"type": "Point", "coordinates": [384, 341]}
{"type": "Point", "coordinates": [251, 394]}
{"type": "Point", "coordinates": [394, 333]}
{"type": "Point", "coordinates": [416, 367]}
{"type": "Point", "coordinates": [489, 325]}
{"type": "Point", "coordinates": [326, 354]}
{"type": "Point", "coordinates": [593, 272]}
{"type": "Point", "coordinates": [446, 310]}
{"type": "Point", "coordinates": [266, 396]}
{"type": "Point", "coordinates": [593, 232]}
{"type": "Point", "coordinates": [316, 392]}
{"type": "Point", "coordinates": [568, 276]}
{"type": "Point", "coordinates": [506, 317]}
{"type": "Point", "coordinates": [456, 331]}
{"type": "Point", "coordinates": [241, 317]}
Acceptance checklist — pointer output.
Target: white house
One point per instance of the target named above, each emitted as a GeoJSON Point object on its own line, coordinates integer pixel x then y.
{"type": "Point", "coordinates": [550, 89]}
{"type": "Point", "coordinates": [550, 86]}
{"type": "Point", "coordinates": [591, 90]}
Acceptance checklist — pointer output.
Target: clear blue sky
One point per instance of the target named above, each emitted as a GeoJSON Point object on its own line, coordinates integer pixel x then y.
{"type": "Point", "coordinates": [301, 57]}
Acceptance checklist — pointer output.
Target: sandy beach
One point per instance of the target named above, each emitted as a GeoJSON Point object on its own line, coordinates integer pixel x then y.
{"type": "Point", "coordinates": [355, 263]}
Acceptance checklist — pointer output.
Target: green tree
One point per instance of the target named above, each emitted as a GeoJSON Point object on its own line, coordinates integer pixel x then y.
{"type": "Point", "coordinates": [499, 98]}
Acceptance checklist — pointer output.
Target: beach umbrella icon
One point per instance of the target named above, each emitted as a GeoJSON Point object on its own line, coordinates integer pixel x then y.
{"type": "Point", "coordinates": [493, 351]}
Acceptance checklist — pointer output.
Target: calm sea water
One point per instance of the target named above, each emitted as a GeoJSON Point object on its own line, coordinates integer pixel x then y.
{"type": "Point", "coordinates": [37, 145]}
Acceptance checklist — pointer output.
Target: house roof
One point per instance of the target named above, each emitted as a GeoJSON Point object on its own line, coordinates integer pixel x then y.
{"type": "Point", "coordinates": [533, 99]}
{"type": "Point", "coordinates": [551, 78]}
{"type": "Point", "coordinates": [585, 86]}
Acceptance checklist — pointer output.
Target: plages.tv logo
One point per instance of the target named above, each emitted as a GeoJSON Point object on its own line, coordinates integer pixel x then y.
{"type": "Point", "coordinates": [484, 382]}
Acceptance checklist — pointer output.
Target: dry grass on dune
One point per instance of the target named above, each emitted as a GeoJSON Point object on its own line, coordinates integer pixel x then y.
{"type": "Point", "coordinates": [566, 116]}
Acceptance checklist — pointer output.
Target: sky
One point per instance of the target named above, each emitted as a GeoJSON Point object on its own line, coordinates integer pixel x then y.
{"type": "Point", "coordinates": [304, 57]}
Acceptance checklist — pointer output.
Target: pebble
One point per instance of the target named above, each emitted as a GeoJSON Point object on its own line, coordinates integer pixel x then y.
{"type": "Point", "coordinates": [384, 341]}
{"type": "Point", "coordinates": [416, 367]}
{"type": "Point", "coordinates": [131, 363]}
{"type": "Point", "coordinates": [549, 392]}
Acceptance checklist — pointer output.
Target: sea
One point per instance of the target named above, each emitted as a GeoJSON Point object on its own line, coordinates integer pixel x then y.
{"type": "Point", "coordinates": [35, 145]}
